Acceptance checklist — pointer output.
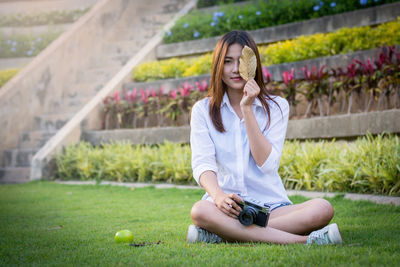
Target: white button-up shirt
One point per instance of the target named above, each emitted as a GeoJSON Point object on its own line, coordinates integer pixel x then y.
{"type": "Point", "coordinates": [228, 154]}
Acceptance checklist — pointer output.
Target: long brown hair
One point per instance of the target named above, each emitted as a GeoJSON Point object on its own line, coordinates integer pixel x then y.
{"type": "Point", "coordinates": [218, 87]}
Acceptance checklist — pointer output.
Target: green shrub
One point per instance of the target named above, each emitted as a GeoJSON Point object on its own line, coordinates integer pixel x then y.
{"type": "Point", "coordinates": [368, 165]}
{"type": "Point", "coordinates": [45, 18]}
{"type": "Point", "coordinates": [201, 65]}
{"type": "Point", "coordinates": [345, 40]}
{"type": "Point", "coordinates": [163, 69]}
{"type": "Point", "coordinates": [258, 15]}
{"type": "Point", "coordinates": [6, 75]}
{"type": "Point", "coordinates": [122, 162]}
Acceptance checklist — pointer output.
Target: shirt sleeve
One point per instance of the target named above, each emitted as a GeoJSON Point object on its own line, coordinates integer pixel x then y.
{"type": "Point", "coordinates": [275, 134]}
{"type": "Point", "coordinates": [202, 146]}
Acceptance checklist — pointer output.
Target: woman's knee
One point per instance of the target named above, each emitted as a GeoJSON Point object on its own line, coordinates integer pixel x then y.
{"type": "Point", "coordinates": [200, 213]}
{"type": "Point", "coordinates": [323, 211]}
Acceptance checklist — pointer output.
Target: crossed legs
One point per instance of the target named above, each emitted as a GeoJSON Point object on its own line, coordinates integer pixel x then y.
{"type": "Point", "coordinates": [288, 224]}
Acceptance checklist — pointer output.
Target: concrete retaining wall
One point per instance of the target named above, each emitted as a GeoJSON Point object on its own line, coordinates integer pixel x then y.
{"type": "Point", "coordinates": [363, 17]}
{"type": "Point", "coordinates": [340, 126]}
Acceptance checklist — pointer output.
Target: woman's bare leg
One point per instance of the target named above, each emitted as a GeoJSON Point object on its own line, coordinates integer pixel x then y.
{"type": "Point", "coordinates": [206, 215]}
{"type": "Point", "coordinates": [302, 218]}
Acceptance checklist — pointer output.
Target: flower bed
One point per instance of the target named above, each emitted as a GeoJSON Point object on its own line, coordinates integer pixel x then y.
{"type": "Point", "coordinates": [368, 165]}
{"type": "Point", "coordinates": [374, 83]}
{"type": "Point", "coordinates": [259, 15]}
{"type": "Point", "coordinates": [342, 41]}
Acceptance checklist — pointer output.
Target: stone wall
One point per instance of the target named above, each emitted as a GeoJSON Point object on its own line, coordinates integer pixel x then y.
{"type": "Point", "coordinates": [339, 126]}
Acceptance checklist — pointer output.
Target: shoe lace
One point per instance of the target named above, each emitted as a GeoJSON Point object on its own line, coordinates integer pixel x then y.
{"type": "Point", "coordinates": [208, 237]}
{"type": "Point", "coordinates": [318, 236]}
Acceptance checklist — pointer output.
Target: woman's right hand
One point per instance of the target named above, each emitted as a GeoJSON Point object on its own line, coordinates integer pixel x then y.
{"type": "Point", "coordinates": [227, 203]}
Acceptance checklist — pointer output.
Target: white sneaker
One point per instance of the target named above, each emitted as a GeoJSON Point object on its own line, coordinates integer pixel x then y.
{"type": "Point", "coordinates": [197, 234]}
{"type": "Point", "coordinates": [328, 235]}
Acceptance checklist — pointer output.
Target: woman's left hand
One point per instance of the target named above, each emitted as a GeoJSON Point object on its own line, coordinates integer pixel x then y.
{"type": "Point", "coordinates": [250, 92]}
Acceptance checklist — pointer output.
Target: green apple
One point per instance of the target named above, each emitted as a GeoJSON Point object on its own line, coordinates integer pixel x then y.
{"type": "Point", "coordinates": [124, 236]}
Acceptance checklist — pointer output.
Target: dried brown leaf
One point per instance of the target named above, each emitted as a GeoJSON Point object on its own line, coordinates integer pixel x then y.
{"type": "Point", "coordinates": [247, 64]}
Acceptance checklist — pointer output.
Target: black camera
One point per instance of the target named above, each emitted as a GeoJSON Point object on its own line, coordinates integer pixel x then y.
{"type": "Point", "coordinates": [253, 212]}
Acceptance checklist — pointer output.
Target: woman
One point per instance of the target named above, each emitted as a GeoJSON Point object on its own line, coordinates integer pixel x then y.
{"type": "Point", "coordinates": [237, 135]}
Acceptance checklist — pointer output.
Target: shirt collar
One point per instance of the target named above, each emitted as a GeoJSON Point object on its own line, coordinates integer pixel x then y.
{"type": "Point", "coordinates": [225, 101]}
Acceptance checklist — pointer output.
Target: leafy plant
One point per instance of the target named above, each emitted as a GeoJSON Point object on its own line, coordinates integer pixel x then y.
{"type": "Point", "coordinates": [368, 165]}
{"type": "Point", "coordinates": [6, 75]}
{"type": "Point", "coordinates": [256, 15]}
{"type": "Point", "coordinates": [342, 41]}
{"type": "Point", "coordinates": [171, 68]}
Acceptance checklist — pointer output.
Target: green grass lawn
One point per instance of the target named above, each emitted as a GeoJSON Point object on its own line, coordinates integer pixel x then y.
{"type": "Point", "coordinates": [43, 223]}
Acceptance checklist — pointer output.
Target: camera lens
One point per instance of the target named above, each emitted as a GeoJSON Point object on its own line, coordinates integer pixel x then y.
{"type": "Point", "coordinates": [247, 216]}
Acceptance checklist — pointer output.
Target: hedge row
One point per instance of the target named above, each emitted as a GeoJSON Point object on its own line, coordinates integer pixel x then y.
{"type": "Point", "coordinates": [342, 41]}
{"type": "Point", "coordinates": [368, 165]}
{"type": "Point", "coordinates": [256, 15]}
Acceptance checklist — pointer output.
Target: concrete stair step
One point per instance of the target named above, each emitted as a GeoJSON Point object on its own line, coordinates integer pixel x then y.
{"type": "Point", "coordinates": [15, 175]}
{"type": "Point", "coordinates": [51, 122]}
{"type": "Point", "coordinates": [84, 90]}
{"type": "Point", "coordinates": [34, 139]}
{"type": "Point", "coordinates": [101, 74]}
{"type": "Point", "coordinates": [69, 105]}
{"type": "Point", "coordinates": [19, 157]}
{"type": "Point", "coordinates": [110, 60]}
{"type": "Point", "coordinates": [126, 48]}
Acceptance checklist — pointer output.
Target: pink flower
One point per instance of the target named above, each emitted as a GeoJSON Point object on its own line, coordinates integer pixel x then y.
{"type": "Point", "coordinates": [185, 90]}
{"type": "Point", "coordinates": [352, 70]}
{"type": "Point", "coordinates": [267, 74]}
{"type": "Point", "coordinates": [161, 92]}
{"type": "Point", "coordinates": [187, 86]}
{"type": "Point", "coordinates": [145, 95]}
{"type": "Point", "coordinates": [321, 72]}
{"type": "Point", "coordinates": [134, 94]}
{"type": "Point", "coordinates": [130, 95]}
{"type": "Point", "coordinates": [307, 73]}
{"type": "Point", "coordinates": [288, 76]}
{"type": "Point", "coordinates": [174, 93]}
{"type": "Point", "coordinates": [152, 92]}
{"type": "Point", "coordinates": [116, 97]}
{"type": "Point", "coordinates": [370, 67]}
{"type": "Point", "coordinates": [202, 87]}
